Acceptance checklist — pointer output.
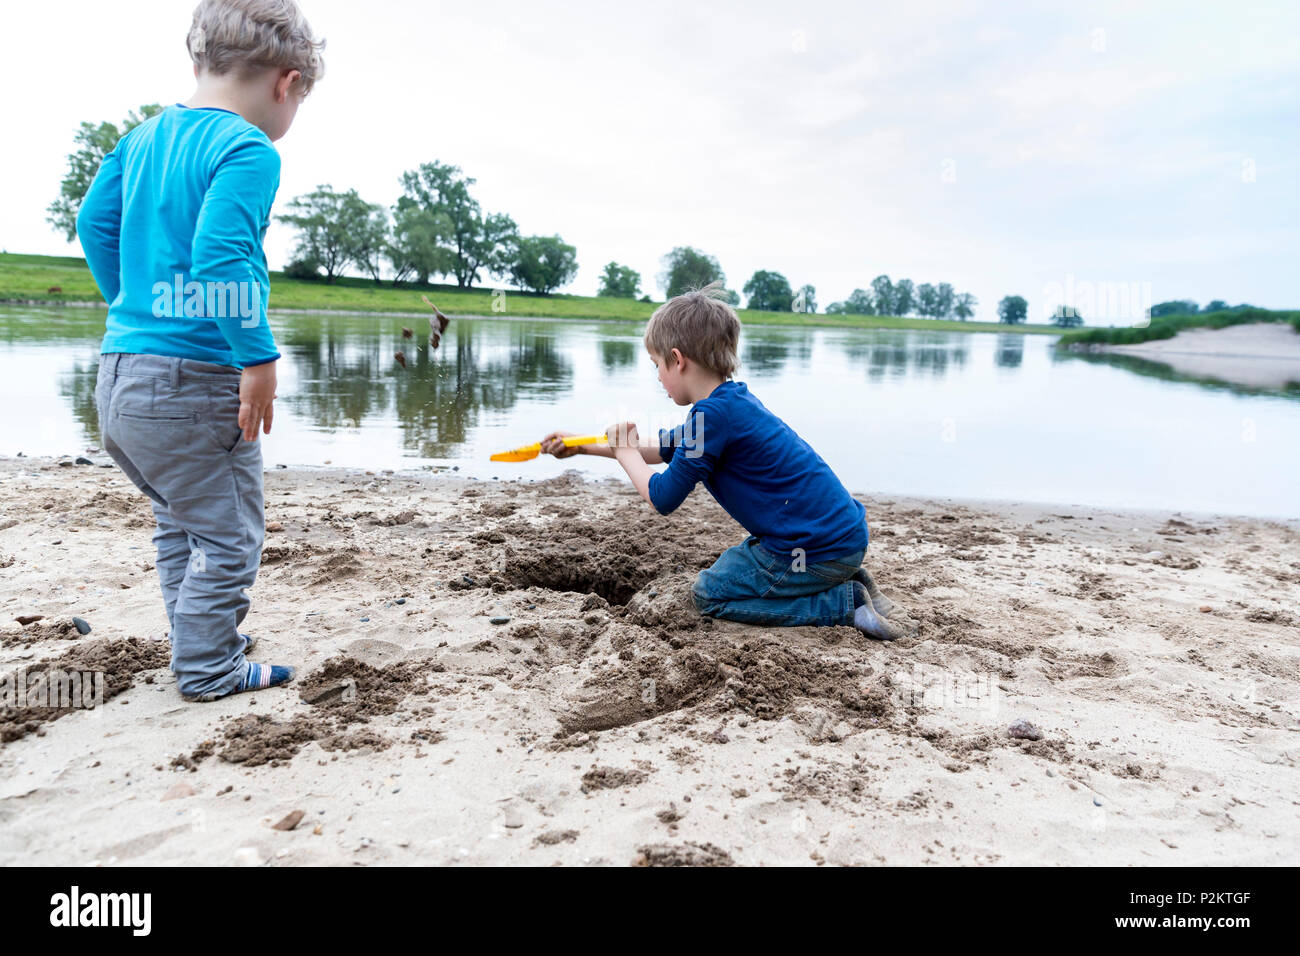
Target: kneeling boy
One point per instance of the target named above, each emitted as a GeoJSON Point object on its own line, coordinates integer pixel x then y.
{"type": "Point", "coordinates": [802, 561]}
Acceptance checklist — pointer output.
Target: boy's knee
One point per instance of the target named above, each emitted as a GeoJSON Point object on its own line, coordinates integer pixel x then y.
{"type": "Point", "coordinates": [700, 595]}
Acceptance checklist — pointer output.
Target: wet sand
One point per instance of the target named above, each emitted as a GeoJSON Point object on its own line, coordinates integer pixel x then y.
{"type": "Point", "coordinates": [512, 672]}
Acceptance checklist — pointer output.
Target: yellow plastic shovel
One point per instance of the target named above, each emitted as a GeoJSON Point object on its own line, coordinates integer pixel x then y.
{"type": "Point", "coordinates": [529, 452]}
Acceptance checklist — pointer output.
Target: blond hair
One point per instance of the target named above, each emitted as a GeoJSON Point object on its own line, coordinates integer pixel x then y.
{"type": "Point", "coordinates": [700, 325]}
{"type": "Point", "coordinates": [241, 35]}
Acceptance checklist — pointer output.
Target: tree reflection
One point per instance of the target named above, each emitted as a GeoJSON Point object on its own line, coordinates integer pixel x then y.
{"type": "Point", "coordinates": [77, 385]}
{"type": "Point", "coordinates": [1010, 351]}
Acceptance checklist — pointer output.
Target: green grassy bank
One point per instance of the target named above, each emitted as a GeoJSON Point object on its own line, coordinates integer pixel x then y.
{"type": "Point", "coordinates": [30, 278]}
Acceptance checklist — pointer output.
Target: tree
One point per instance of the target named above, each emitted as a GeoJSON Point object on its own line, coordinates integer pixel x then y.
{"type": "Point", "coordinates": [883, 291]}
{"type": "Point", "coordinates": [619, 282]}
{"type": "Point", "coordinates": [1067, 317]}
{"type": "Point", "coordinates": [1176, 307]}
{"type": "Point", "coordinates": [769, 292]}
{"type": "Point", "coordinates": [1215, 305]}
{"type": "Point", "coordinates": [367, 235]}
{"type": "Point", "coordinates": [416, 246]}
{"type": "Point", "coordinates": [495, 252]}
{"type": "Point", "coordinates": [302, 269]}
{"type": "Point", "coordinates": [859, 303]}
{"type": "Point", "coordinates": [476, 241]}
{"type": "Point", "coordinates": [544, 263]}
{"type": "Point", "coordinates": [904, 297]}
{"type": "Point", "coordinates": [805, 300]}
{"type": "Point", "coordinates": [945, 300]}
{"type": "Point", "coordinates": [1013, 309]}
{"type": "Point", "coordinates": [686, 269]}
{"type": "Point", "coordinates": [94, 142]}
{"type": "Point", "coordinates": [326, 222]}
{"type": "Point", "coordinates": [964, 306]}
{"type": "Point", "coordinates": [927, 300]}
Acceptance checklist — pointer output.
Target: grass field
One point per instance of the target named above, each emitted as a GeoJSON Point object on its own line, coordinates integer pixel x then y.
{"type": "Point", "coordinates": [1167, 326]}
{"type": "Point", "coordinates": [29, 279]}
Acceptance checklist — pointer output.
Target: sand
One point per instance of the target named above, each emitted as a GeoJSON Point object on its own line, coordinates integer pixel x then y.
{"type": "Point", "coordinates": [1256, 355]}
{"type": "Point", "coordinates": [600, 721]}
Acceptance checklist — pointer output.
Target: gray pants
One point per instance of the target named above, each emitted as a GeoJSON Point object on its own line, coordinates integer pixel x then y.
{"type": "Point", "coordinates": [172, 425]}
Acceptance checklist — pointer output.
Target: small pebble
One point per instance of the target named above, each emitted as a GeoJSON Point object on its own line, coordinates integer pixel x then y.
{"type": "Point", "coordinates": [500, 620]}
{"type": "Point", "coordinates": [82, 626]}
{"type": "Point", "coordinates": [1024, 730]}
{"type": "Point", "coordinates": [290, 821]}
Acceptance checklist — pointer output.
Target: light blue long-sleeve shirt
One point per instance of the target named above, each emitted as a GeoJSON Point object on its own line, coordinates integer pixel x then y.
{"type": "Point", "coordinates": [172, 229]}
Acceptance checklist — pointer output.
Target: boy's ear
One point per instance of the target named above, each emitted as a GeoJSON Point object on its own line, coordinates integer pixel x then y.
{"type": "Point", "coordinates": [285, 83]}
{"type": "Point", "coordinates": [679, 360]}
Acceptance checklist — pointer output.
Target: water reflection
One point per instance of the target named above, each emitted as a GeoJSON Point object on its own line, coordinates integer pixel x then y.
{"type": "Point", "coordinates": [439, 397]}
{"type": "Point", "coordinates": [495, 383]}
{"type": "Point", "coordinates": [1010, 350]}
{"type": "Point", "coordinates": [77, 385]}
{"type": "Point", "coordinates": [924, 353]}
{"type": "Point", "coordinates": [1166, 373]}
{"type": "Point", "coordinates": [620, 353]}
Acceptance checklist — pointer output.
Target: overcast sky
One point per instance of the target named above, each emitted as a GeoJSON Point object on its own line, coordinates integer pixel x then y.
{"type": "Point", "coordinates": [1002, 147]}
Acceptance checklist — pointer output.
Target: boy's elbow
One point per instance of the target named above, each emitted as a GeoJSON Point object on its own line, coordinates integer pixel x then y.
{"type": "Point", "coordinates": [662, 505]}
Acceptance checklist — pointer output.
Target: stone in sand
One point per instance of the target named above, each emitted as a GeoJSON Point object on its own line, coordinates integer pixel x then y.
{"type": "Point", "coordinates": [290, 821]}
{"type": "Point", "coordinates": [1024, 730]}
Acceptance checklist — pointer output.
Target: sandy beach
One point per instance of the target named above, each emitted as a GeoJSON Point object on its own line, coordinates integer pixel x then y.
{"type": "Point", "coordinates": [1255, 355]}
{"type": "Point", "coordinates": [512, 673]}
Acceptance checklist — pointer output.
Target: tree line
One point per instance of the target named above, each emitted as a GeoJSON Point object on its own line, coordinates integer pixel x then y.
{"type": "Point", "coordinates": [436, 228]}
{"type": "Point", "coordinates": [904, 297]}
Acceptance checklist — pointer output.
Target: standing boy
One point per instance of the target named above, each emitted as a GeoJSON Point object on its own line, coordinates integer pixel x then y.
{"type": "Point", "coordinates": [172, 228]}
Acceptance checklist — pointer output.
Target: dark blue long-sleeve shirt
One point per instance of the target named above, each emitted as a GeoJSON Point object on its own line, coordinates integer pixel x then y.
{"type": "Point", "coordinates": [765, 476]}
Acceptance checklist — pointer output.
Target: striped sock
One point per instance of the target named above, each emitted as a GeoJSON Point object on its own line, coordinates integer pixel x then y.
{"type": "Point", "coordinates": [259, 676]}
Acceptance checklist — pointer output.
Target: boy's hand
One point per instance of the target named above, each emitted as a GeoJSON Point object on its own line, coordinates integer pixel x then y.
{"type": "Point", "coordinates": [622, 435]}
{"type": "Point", "coordinates": [552, 444]}
{"type": "Point", "coordinates": [256, 393]}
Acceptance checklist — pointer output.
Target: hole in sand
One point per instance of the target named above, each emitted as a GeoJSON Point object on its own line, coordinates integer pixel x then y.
{"type": "Point", "coordinates": [614, 558]}
{"type": "Point", "coordinates": [614, 577]}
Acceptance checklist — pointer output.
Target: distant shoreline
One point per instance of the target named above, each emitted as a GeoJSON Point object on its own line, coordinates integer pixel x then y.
{"type": "Point", "coordinates": [1252, 355]}
{"type": "Point", "coordinates": [978, 327]}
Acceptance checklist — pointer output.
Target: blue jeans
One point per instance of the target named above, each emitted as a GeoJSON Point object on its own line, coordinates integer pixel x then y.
{"type": "Point", "coordinates": [172, 425]}
{"type": "Point", "coordinates": [750, 584]}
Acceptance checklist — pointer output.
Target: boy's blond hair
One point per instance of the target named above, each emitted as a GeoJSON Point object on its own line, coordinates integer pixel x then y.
{"type": "Point", "coordinates": [699, 324]}
{"type": "Point", "coordinates": [230, 35]}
